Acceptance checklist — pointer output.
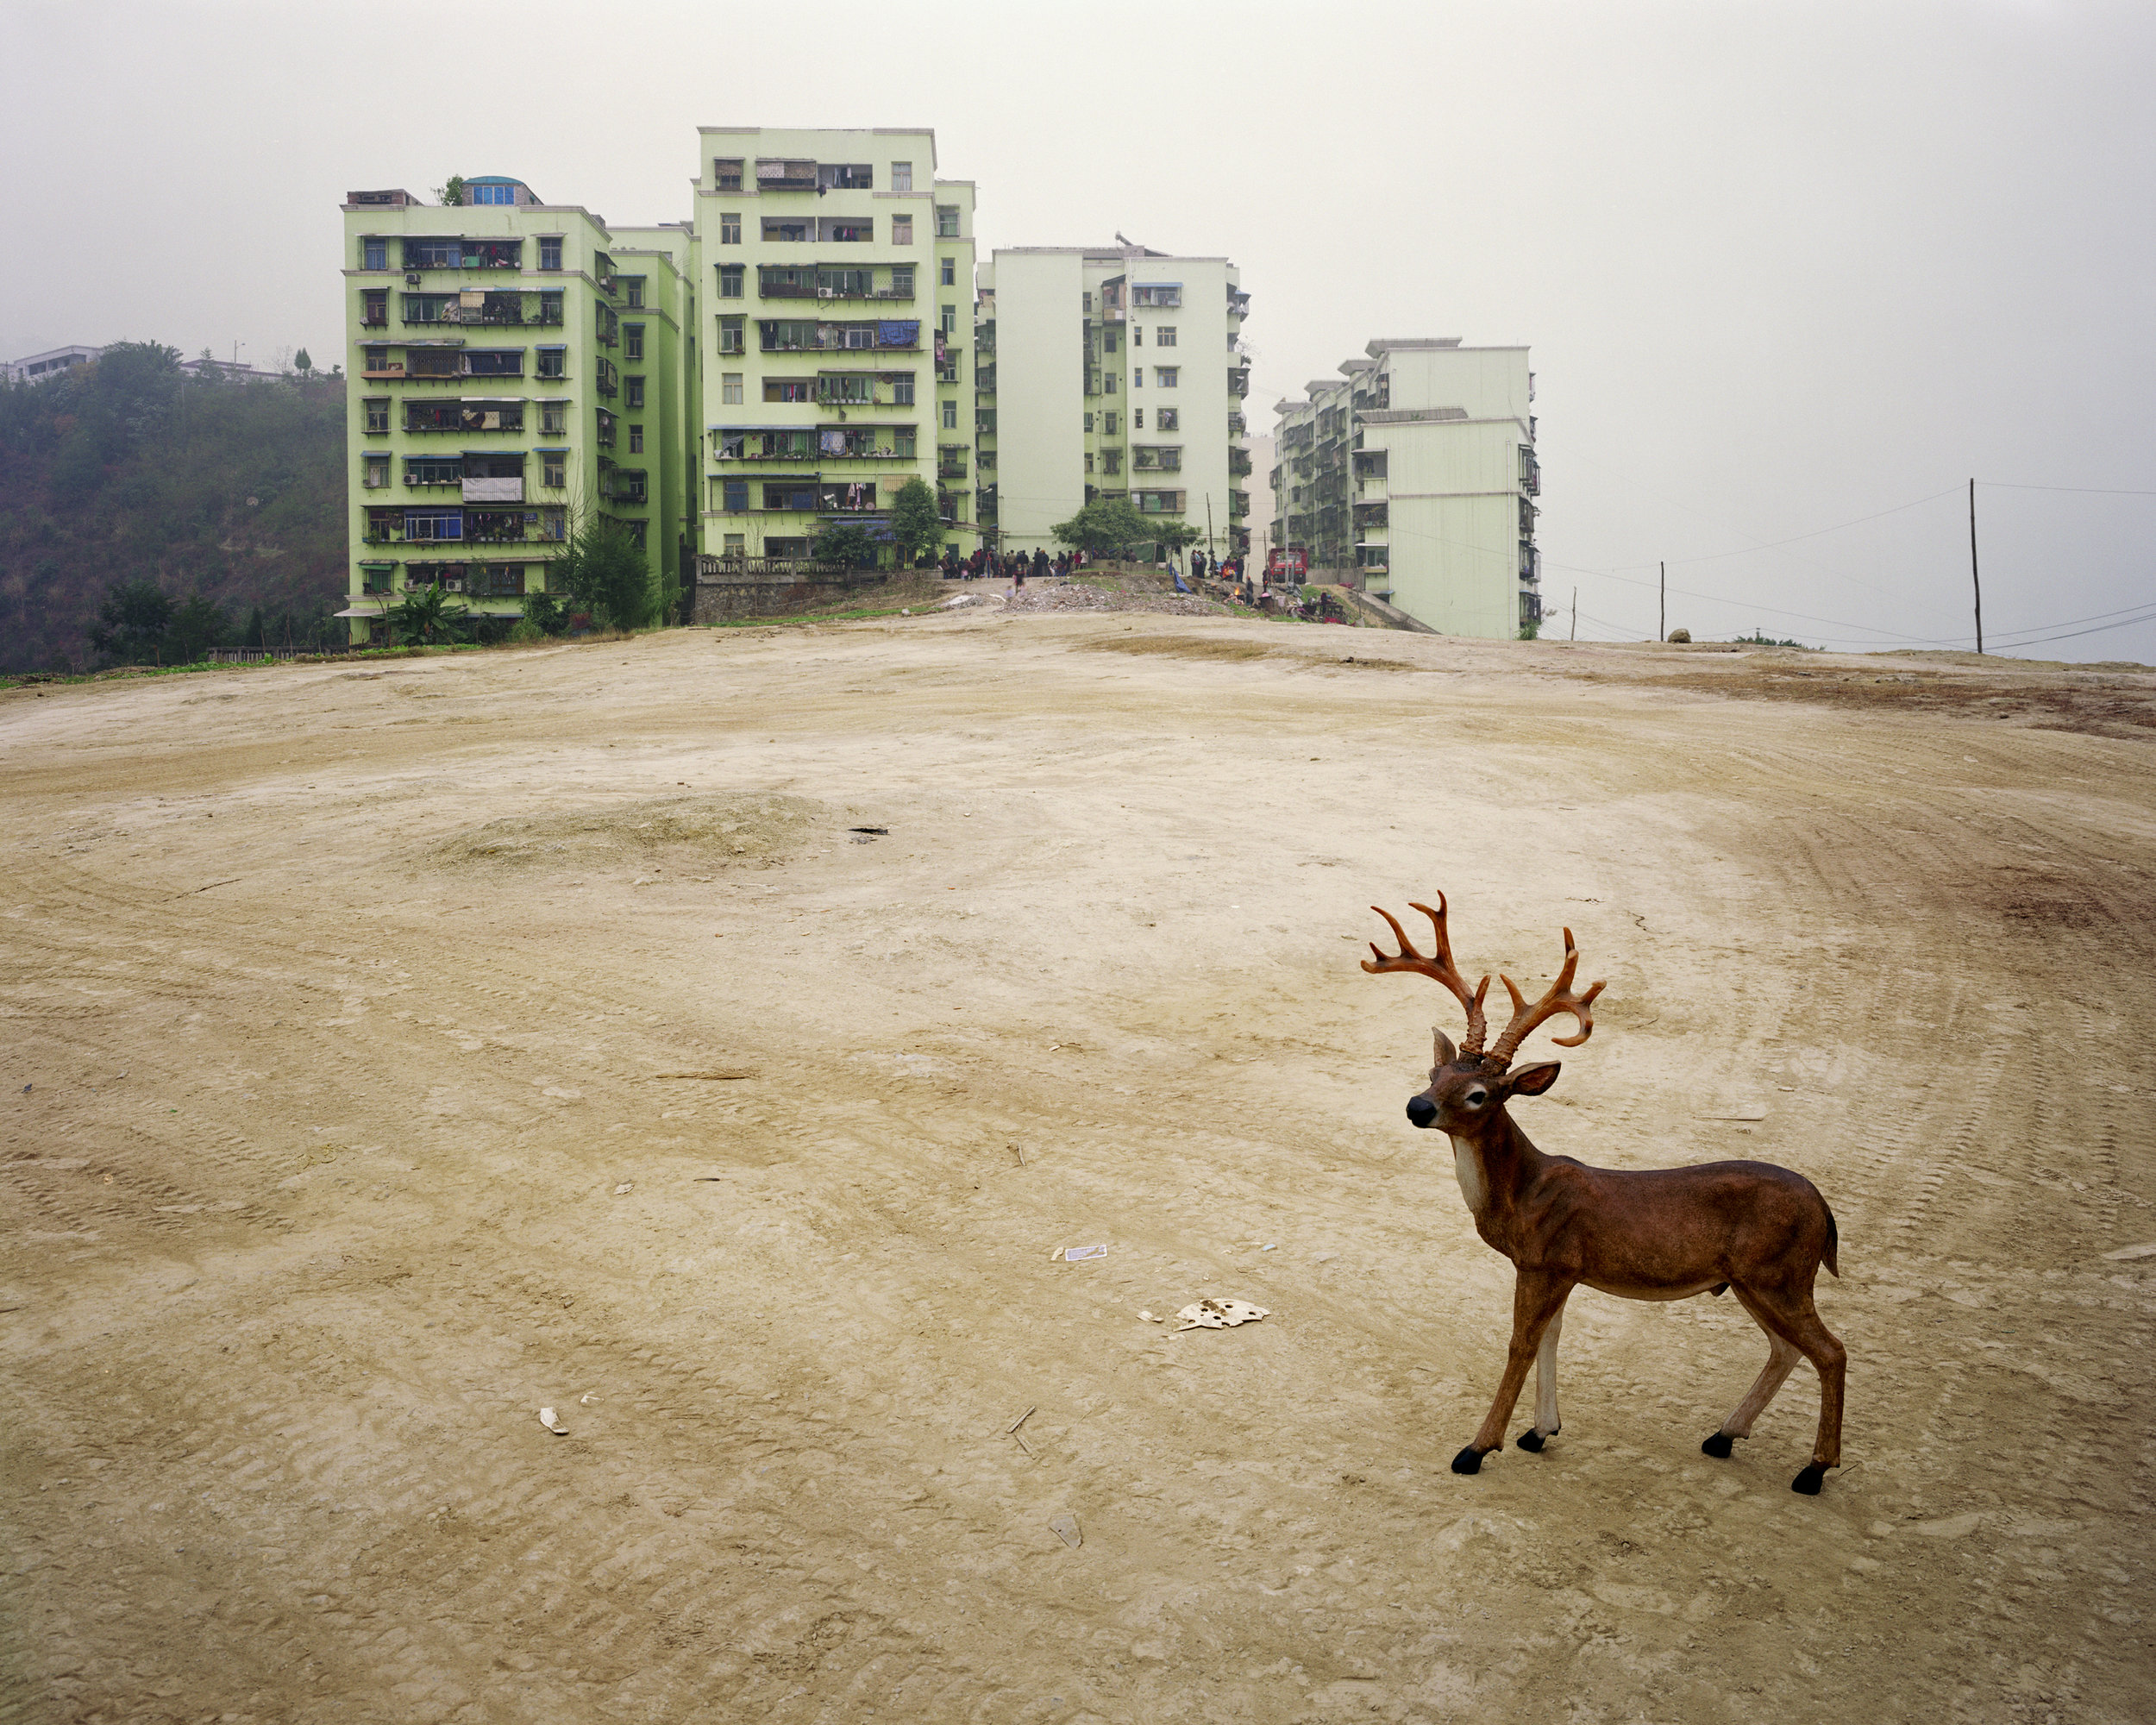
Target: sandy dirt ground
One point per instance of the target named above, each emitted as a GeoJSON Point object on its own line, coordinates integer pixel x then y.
{"type": "Point", "coordinates": [393, 1051]}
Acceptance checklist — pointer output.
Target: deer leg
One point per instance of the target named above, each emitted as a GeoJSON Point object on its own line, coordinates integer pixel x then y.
{"type": "Point", "coordinates": [1535, 1301]}
{"type": "Point", "coordinates": [1782, 1358]}
{"type": "Point", "coordinates": [1546, 1423]}
{"type": "Point", "coordinates": [1797, 1326]}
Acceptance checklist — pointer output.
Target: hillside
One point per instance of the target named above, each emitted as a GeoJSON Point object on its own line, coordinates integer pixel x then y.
{"type": "Point", "coordinates": [129, 469]}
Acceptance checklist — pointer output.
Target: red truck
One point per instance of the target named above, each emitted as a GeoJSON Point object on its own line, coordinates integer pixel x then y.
{"type": "Point", "coordinates": [1286, 567]}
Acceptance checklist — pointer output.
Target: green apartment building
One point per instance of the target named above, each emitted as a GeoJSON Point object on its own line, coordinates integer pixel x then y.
{"type": "Point", "coordinates": [1414, 473]}
{"type": "Point", "coordinates": [838, 276]}
{"type": "Point", "coordinates": [1111, 372]}
{"type": "Point", "coordinates": [517, 369]}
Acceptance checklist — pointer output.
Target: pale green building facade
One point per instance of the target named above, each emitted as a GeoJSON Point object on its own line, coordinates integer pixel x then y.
{"type": "Point", "coordinates": [1414, 473]}
{"type": "Point", "coordinates": [1111, 372]}
{"type": "Point", "coordinates": [515, 369]}
{"type": "Point", "coordinates": [834, 270]}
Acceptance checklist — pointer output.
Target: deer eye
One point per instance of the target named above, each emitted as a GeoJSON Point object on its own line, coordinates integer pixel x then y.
{"type": "Point", "coordinates": [1477, 1097]}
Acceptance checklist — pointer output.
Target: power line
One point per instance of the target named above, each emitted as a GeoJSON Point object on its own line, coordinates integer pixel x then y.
{"type": "Point", "coordinates": [1775, 545]}
{"type": "Point", "coordinates": [2081, 491]}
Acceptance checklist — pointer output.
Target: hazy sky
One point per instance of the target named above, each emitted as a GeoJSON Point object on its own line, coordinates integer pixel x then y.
{"type": "Point", "coordinates": [1781, 265]}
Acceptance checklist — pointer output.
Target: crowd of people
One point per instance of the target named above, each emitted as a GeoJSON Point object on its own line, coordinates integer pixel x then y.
{"type": "Point", "coordinates": [1013, 566]}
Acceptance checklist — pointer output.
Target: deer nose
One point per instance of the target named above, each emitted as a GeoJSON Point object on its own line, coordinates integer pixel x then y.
{"type": "Point", "coordinates": [1421, 1111]}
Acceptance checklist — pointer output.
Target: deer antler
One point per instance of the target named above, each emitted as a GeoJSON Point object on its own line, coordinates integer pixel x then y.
{"type": "Point", "coordinates": [1439, 968]}
{"type": "Point", "coordinates": [1525, 1018]}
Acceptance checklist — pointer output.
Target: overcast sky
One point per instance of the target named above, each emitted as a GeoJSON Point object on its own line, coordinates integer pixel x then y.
{"type": "Point", "coordinates": [1781, 265]}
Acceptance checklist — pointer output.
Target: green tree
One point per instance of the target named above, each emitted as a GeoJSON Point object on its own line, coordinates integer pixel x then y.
{"type": "Point", "coordinates": [915, 526]}
{"type": "Point", "coordinates": [131, 624]}
{"type": "Point", "coordinates": [1112, 527]}
{"type": "Point", "coordinates": [300, 363]}
{"type": "Point", "coordinates": [196, 627]}
{"type": "Point", "coordinates": [453, 193]}
{"type": "Point", "coordinates": [544, 612]}
{"type": "Point", "coordinates": [425, 615]}
{"type": "Point", "coordinates": [603, 572]}
{"type": "Point", "coordinates": [847, 544]}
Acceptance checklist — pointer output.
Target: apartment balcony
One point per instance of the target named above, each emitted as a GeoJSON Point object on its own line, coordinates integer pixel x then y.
{"type": "Point", "coordinates": [1372, 515]}
{"type": "Point", "coordinates": [1238, 426]}
{"type": "Point", "coordinates": [1239, 463]}
{"type": "Point", "coordinates": [1238, 380]}
{"type": "Point", "coordinates": [785, 174]}
{"type": "Point", "coordinates": [1530, 472]}
{"type": "Point", "coordinates": [1238, 504]}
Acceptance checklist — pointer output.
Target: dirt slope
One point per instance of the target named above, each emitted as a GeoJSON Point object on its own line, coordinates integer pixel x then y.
{"type": "Point", "coordinates": [410, 1048]}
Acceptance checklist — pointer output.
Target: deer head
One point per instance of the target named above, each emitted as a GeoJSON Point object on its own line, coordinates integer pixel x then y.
{"type": "Point", "coordinates": [1467, 1088]}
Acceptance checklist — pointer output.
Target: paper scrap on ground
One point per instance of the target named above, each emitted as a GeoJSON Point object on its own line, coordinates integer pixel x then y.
{"type": "Point", "coordinates": [2127, 1254]}
{"type": "Point", "coordinates": [547, 1419]}
{"type": "Point", "coordinates": [1220, 1314]}
{"type": "Point", "coordinates": [1066, 1526]}
{"type": "Point", "coordinates": [1079, 1254]}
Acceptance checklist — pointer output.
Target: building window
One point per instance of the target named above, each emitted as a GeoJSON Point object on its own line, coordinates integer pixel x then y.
{"type": "Point", "coordinates": [1164, 376]}
{"type": "Point", "coordinates": [1112, 460]}
{"type": "Point", "coordinates": [635, 440]}
{"type": "Point", "coordinates": [951, 271]}
{"type": "Point", "coordinates": [901, 389]}
{"type": "Point", "coordinates": [374, 308]}
{"type": "Point", "coordinates": [947, 221]}
{"type": "Point", "coordinates": [1169, 419]}
{"type": "Point", "coordinates": [951, 415]}
{"type": "Point", "coordinates": [902, 176]}
{"type": "Point", "coordinates": [552, 362]}
{"type": "Point", "coordinates": [730, 228]}
{"type": "Point", "coordinates": [1137, 419]}
{"type": "Point", "coordinates": [902, 442]}
{"type": "Point", "coordinates": [984, 421]}
{"type": "Point", "coordinates": [901, 230]}
{"type": "Point", "coordinates": [493, 194]}
{"type": "Point", "coordinates": [632, 340]}
{"type": "Point", "coordinates": [1164, 335]}
{"type": "Point", "coordinates": [729, 280]}
{"type": "Point", "coordinates": [949, 318]}
{"type": "Point", "coordinates": [374, 254]}
{"type": "Point", "coordinates": [735, 495]}
{"type": "Point", "coordinates": [1088, 461]}
{"type": "Point", "coordinates": [1108, 383]}
{"type": "Point", "coordinates": [377, 473]}
{"type": "Point", "coordinates": [730, 388]}
{"type": "Point", "coordinates": [378, 413]}
{"type": "Point", "coordinates": [554, 468]}
{"type": "Point", "coordinates": [737, 545]}
{"type": "Point", "coordinates": [733, 335]}
{"type": "Point", "coordinates": [1110, 424]}
{"type": "Point", "coordinates": [550, 254]}
{"type": "Point", "coordinates": [1138, 338]}
{"type": "Point", "coordinates": [1112, 344]}
{"type": "Point", "coordinates": [726, 172]}
{"type": "Point", "coordinates": [632, 392]}
{"type": "Point", "coordinates": [553, 419]}
{"type": "Point", "coordinates": [789, 389]}
{"type": "Point", "coordinates": [606, 423]}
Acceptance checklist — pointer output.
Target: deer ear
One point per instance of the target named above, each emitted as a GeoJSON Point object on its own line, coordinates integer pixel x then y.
{"type": "Point", "coordinates": [1442, 1053]}
{"type": "Point", "coordinates": [1532, 1081]}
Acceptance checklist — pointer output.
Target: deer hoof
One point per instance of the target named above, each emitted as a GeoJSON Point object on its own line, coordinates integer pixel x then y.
{"type": "Point", "coordinates": [1717, 1447]}
{"type": "Point", "coordinates": [1532, 1440]}
{"type": "Point", "coordinates": [1808, 1481]}
{"type": "Point", "coordinates": [1469, 1460]}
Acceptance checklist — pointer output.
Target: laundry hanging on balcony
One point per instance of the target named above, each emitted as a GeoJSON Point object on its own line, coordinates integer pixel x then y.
{"type": "Point", "coordinates": [832, 442]}
{"type": "Point", "coordinates": [899, 333]}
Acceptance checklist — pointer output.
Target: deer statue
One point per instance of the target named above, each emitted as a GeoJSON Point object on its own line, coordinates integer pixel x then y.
{"type": "Point", "coordinates": [1746, 1227]}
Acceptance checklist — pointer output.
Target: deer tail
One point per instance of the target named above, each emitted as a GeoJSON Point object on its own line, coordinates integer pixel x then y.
{"type": "Point", "coordinates": [1833, 1242]}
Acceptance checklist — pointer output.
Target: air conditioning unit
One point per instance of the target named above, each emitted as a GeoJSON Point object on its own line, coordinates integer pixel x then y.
{"type": "Point", "coordinates": [412, 279]}
{"type": "Point", "coordinates": [412, 479]}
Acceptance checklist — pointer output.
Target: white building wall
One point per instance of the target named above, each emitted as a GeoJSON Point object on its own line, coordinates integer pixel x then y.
{"type": "Point", "coordinates": [1041, 403]}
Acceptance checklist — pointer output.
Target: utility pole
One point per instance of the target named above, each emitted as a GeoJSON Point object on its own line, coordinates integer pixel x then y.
{"type": "Point", "coordinates": [1575, 614]}
{"type": "Point", "coordinates": [1973, 582]}
{"type": "Point", "coordinates": [1662, 608]}
{"type": "Point", "coordinates": [1209, 564]}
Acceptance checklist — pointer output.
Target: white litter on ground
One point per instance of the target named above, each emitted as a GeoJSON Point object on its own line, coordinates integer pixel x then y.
{"type": "Point", "coordinates": [1220, 1314]}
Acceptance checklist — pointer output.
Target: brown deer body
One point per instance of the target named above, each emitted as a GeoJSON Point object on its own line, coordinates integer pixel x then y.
{"type": "Point", "coordinates": [1747, 1228]}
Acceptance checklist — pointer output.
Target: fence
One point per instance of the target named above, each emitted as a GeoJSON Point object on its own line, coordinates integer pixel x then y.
{"type": "Point", "coordinates": [248, 655]}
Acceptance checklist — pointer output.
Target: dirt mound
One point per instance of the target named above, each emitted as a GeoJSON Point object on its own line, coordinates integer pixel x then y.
{"type": "Point", "coordinates": [1107, 595]}
{"type": "Point", "coordinates": [753, 827]}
